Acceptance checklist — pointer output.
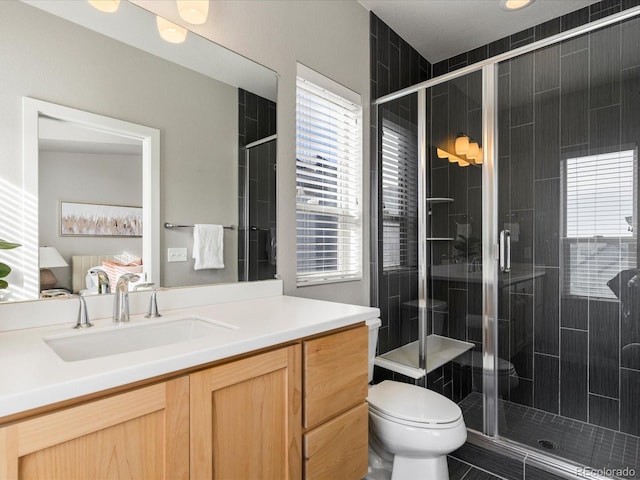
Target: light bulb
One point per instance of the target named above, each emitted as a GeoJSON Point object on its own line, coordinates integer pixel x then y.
{"type": "Point", "coordinates": [462, 145]}
{"type": "Point", "coordinates": [107, 6]}
{"type": "Point", "coordinates": [441, 153]}
{"type": "Point", "coordinates": [170, 32]}
{"type": "Point", "coordinates": [193, 11]}
{"type": "Point", "coordinates": [473, 150]}
{"type": "Point", "coordinates": [515, 4]}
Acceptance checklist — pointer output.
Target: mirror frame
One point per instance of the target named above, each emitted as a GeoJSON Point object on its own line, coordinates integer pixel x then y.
{"type": "Point", "coordinates": [32, 110]}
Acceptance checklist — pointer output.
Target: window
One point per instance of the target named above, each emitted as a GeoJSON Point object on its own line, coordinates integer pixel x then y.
{"type": "Point", "coordinates": [328, 180]}
{"type": "Point", "coordinates": [600, 210]}
{"type": "Point", "coordinates": [399, 194]}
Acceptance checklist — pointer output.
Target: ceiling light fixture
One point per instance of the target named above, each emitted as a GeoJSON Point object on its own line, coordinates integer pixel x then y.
{"type": "Point", "coordinates": [478, 158]}
{"type": "Point", "coordinates": [170, 32]}
{"type": "Point", "coordinates": [194, 12]}
{"type": "Point", "coordinates": [473, 150]}
{"type": "Point", "coordinates": [107, 6]}
{"type": "Point", "coordinates": [464, 147]}
{"type": "Point", "coordinates": [449, 156]}
{"type": "Point", "coordinates": [512, 5]}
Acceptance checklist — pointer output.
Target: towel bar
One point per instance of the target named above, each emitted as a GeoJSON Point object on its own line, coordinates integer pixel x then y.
{"type": "Point", "coordinates": [173, 225]}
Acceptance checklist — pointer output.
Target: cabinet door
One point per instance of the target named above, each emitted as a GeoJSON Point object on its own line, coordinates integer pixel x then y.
{"type": "Point", "coordinates": [335, 374]}
{"type": "Point", "coordinates": [338, 449]}
{"type": "Point", "coordinates": [245, 418]}
{"type": "Point", "coordinates": [143, 433]}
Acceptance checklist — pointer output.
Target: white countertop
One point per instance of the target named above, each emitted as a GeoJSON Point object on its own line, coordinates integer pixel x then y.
{"type": "Point", "coordinates": [32, 375]}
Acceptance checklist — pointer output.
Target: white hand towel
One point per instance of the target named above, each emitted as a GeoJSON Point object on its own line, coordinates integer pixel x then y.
{"type": "Point", "coordinates": [208, 249]}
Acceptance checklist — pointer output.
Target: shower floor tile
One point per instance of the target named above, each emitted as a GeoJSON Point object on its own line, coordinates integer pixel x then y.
{"type": "Point", "coordinates": [573, 440]}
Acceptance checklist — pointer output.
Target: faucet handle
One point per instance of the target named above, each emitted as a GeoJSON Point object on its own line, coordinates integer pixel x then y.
{"type": "Point", "coordinates": [83, 315]}
{"type": "Point", "coordinates": [153, 306]}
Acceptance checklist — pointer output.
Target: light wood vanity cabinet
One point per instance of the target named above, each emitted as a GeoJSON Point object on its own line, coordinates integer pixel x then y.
{"type": "Point", "coordinates": [335, 410]}
{"type": "Point", "coordinates": [143, 433]}
{"type": "Point", "coordinates": [293, 412]}
{"type": "Point", "coordinates": [245, 418]}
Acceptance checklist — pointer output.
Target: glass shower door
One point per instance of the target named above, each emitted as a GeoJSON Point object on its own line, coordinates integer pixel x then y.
{"type": "Point", "coordinates": [257, 245]}
{"type": "Point", "coordinates": [568, 365]}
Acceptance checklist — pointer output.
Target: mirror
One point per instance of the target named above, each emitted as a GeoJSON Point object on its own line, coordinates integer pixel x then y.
{"type": "Point", "coordinates": [205, 102]}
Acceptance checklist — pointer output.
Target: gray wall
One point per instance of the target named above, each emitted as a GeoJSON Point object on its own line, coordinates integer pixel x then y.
{"type": "Point", "coordinates": [56, 61]}
{"type": "Point", "coordinates": [329, 37]}
{"type": "Point", "coordinates": [108, 179]}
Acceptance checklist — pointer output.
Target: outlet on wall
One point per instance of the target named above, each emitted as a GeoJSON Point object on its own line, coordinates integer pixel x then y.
{"type": "Point", "coordinates": [176, 254]}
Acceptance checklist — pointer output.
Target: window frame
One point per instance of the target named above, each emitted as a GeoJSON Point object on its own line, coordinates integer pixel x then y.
{"type": "Point", "coordinates": [345, 215]}
{"type": "Point", "coordinates": [568, 270]}
{"type": "Point", "coordinates": [406, 218]}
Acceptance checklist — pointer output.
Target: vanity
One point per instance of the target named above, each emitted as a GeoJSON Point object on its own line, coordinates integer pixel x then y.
{"type": "Point", "coordinates": [276, 391]}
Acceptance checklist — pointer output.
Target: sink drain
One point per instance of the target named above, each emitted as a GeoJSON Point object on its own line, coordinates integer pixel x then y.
{"type": "Point", "coordinates": [548, 444]}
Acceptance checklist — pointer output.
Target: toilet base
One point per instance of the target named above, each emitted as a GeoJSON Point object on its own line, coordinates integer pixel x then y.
{"type": "Point", "coordinates": [406, 468]}
{"type": "Point", "coordinates": [420, 468]}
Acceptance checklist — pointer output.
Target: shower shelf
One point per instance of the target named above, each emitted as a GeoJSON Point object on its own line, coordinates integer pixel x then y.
{"type": "Point", "coordinates": [439, 200]}
{"type": "Point", "coordinates": [440, 239]}
{"type": "Point", "coordinates": [440, 350]}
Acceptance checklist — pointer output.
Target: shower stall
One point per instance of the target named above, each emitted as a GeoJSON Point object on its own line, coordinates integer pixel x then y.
{"type": "Point", "coordinates": [506, 245]}
{"type": "Point", "coordinates": [257, 233]}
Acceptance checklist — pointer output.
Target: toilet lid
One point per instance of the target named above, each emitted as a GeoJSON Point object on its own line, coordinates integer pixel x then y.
{"type": "Point", "coordinates": [474, 360]}
{"type": "Point", "coordinates": [410, 402]}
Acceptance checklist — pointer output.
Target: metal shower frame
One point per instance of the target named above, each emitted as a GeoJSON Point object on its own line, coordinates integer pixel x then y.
{"type": "Point", "coordinates": [490, 252]}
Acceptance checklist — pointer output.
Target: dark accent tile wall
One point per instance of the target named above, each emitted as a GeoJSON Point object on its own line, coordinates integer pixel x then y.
{"type": "Point", "coordinates": [545, 388]}
{"type": "Point", "coordinates": [539, 32]}
{"type": "Point", "coordinates": [573, 374]}
{"type": "Point", "coordinates": [629, 394]}
{"type": "Point", "coordinates": [566, 101]}
{"type": "Point", "coordinates": [394, 63]}
{"type": "Point", "coordinates": [257, 120]}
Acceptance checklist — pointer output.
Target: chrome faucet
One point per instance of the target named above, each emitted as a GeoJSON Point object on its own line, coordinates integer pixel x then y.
{"type": "Point", "coordinates": [83, 315]}
{"type": "Point", "coordinates": [476, 264]}
{"type": "Point", "coordinates": [103, 280]}
{"type": "Point", "coordinates": [153, 306]}
{"type": "Point", "coordinates": [121, 299]}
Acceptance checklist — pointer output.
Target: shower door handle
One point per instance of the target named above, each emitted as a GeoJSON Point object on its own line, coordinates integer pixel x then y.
{"type": "Point", "coordinates": [505, 251]}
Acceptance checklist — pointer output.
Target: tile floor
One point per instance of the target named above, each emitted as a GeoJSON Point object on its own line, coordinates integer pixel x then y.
{"type": "Point", "coordinates": [576, 441]}
{"type": "Point", "coordinates": [462, 471]}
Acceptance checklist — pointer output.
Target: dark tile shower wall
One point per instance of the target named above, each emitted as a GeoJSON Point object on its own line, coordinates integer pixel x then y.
{"type": "Point", "coordinates": [257, 120]}
{"type": "Point", "coordinates": [576, 344]}
{"type": "Point", "coordinates": [581, 97]}
{"type": "Point", "coordinates": [455, 107]}
{"type": "Point", "coordinates": [539, 32]}
{"type": "Point", "coordinates": [394, 65]}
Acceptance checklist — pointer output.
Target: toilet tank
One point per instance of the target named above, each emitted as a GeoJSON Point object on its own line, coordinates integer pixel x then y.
{"type": "Point", "coordinates": [374, 326]}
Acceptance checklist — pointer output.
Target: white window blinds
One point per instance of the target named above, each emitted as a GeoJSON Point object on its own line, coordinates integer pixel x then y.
{"type": "Point", "coordinates": [328, 181]}
{"type": "Point", "coordinates": [399, 196]}
{"type": "Point", "coordinates": [600, 241]}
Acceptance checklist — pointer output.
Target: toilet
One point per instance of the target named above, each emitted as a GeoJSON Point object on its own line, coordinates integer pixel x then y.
{"type": "Point", "coordinates": [411, 429]}
{"type": "Point", "coordinates": [508, 379]}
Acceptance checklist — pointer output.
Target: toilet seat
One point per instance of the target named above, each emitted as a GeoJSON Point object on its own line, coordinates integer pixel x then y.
{"type": "Point", "coordinates": [413, 406]}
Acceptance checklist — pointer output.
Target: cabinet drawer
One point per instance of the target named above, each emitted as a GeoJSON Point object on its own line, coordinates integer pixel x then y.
{"type": "Point", "coordinates": [338, 449]}
{"type": "Point", "coordinates": [335, 374]}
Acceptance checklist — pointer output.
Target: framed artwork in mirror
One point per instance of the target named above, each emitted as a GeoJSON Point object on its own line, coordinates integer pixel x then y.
{"type": "Point", "coordinates": [96, 220]}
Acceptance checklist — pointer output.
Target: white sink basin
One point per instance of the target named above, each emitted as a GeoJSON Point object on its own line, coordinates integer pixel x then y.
{"type": "Point", "coordinates": [130, 338]}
